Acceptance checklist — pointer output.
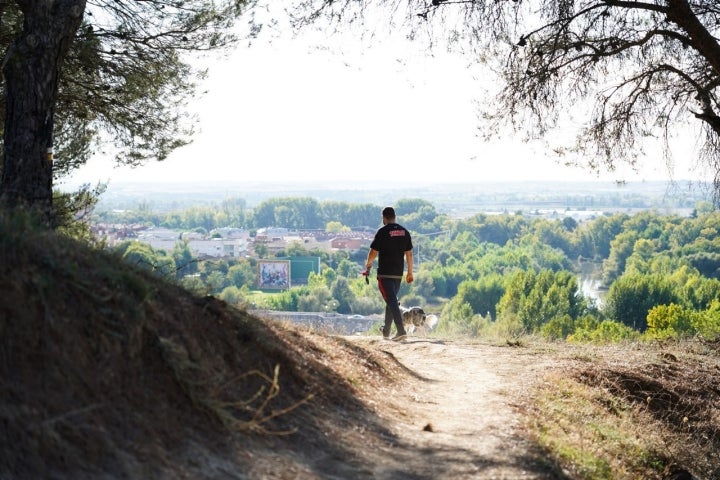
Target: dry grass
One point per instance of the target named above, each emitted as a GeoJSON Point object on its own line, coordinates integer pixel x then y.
{"type": "Point", "coordinates": [105, 368]}
{"type": "Point", "coordinates": [633, 411]}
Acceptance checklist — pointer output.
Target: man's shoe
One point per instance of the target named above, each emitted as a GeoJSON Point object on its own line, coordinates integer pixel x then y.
{"type": "Point", "coordinates": [399, 338]}
{"type": "Point", "coordinates": [384, 335]}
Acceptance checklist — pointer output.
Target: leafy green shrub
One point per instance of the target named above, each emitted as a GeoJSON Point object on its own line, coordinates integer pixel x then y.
{"type": "Point", "coordinates": [558, 328]}
{"type": "Point", "coordinates": [508, 326]}
{"type": "Point", "coordinates": [670, 321]}
{"type": "Point", "coordinates": [456, 318]}
{"type": "Point", "coordinates": [707, 323]}
{"type": "Point", "coordinates": [631, 297]}
{"type": "Point", "coordinates": [412, 299]}
{"type": "Point", "coordinates": [607, 331]}
{"type": "Point", "coordinates": [540, 297]}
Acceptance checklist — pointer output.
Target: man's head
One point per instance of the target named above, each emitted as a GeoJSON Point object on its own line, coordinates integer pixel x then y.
{"type": "Point", "coordinates": [388, 215]}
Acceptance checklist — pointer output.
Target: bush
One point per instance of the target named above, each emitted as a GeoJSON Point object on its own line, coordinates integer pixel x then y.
{"type": "Point", "coordinates": [412, 300]}
{"type": "Point", "coordinates": [456, 318]}
{"type": "Point", "coordinates": [508, 325]}
{"type": "Point", "coordinates": [707, 323]}
{"type": "Point", "coordinates": [670, 321]}
{"type": "Point", "coordinates": [607, 331]}
{"type": "Point", "coordinates": [558, 328]}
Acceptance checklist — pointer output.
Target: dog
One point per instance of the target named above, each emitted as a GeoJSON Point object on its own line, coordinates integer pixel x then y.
{"type": "Point", "coordinates": [413, 318]}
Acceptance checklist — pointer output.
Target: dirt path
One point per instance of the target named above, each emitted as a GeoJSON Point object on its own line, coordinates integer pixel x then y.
{"type": "Point", "coordinates": [462, 419]}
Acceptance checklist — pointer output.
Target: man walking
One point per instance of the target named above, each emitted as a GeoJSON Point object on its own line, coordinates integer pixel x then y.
{"type": "Point", "coordinates": [393, 247]}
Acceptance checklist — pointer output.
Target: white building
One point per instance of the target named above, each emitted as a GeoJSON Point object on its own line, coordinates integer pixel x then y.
{"type": "Point", "coordinates": [166, 239]}
{"type": "Point", "coordinates": [219, 247]}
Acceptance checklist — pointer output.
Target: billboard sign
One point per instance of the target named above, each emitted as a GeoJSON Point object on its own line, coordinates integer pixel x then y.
{"type": "Point", "coordinates": [273, 274]}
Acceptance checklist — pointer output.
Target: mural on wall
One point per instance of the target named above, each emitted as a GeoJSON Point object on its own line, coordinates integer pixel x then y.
{"type": "Point", "coordinates": [274, 274]}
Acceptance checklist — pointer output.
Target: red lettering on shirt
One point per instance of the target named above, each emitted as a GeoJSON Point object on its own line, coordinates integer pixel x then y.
{"type": "Point", "coordinates": [397, 233]}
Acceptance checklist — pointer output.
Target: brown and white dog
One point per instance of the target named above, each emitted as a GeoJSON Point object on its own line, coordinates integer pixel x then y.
{"type": "Point", "coordinates": [415, 318]}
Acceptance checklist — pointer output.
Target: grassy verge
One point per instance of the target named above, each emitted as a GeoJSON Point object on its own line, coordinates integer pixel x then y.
{"type": "Point", "coordinates": [632, 412]}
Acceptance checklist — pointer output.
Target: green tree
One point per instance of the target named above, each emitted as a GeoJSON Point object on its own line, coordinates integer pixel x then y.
{"type": "Point", "coordinates": [284, 217]}
{"type": "Point", "coordinates": [631, 297]}
{"type": "Point", "coordinates": [347, 269]}
{"type": "Point", "coordinates": [73, 211]}
{"type": "Point", "coordinates": [194, 284]}
{"type": "Point", "coordinates": [558, 328]}
{"type": "Point", "coordinates": [416, 214]}
{"type": "Point", "coordinates": [216, 281]}
{"type": "Point", "coordinates": [707, 323]}
{"type": "Point", "coordinates": [296, 249]}
{"type": "Point", "coordinates": [708, 263]}
{"type": "Point", "coordinates": [199, 217]}
{"type": "Point", "coordinates": [670, 321]}
{"type": "Point", "coordinates": [114, 70]}
{"type": "Point", "coordinates": [261, 250]}
{"type": "Point", "coordinates": [601, 233]}
{"type": "Point", "coordinates": [336, 227]}
{"type": "Point", "coordinates": [642, 255]}
{"type": "Point", "coordinates": [288, 212]}
{"type": "Point", "coordinates": [482, 294]}
{"type": "Point", "coordinates": [424, 285]}
{"type": "Point", "coordinates": [696, 291]}
{"type": "Point", "coordinates": [343, 294]}
{"type": "Point", "coordinates": [329, 276]}
{"type": "Point", "coordinates": [36, 51]}
{"type": "Point", "coordinates": [232, 295]}
{"type": "Point", "coordinates": [498, 229]}
{"type": "Point", "coordinates": [308, 303]}
{"type": "Point", "coordinates": [287, 300]}
{"type": "Point", "coordinates": [234, 210]}
{"type": "Point", "coordinates": [570, 224]}
{"type": "Point", "coordinates": [365, 216]}
{"type": "Point", "coordinates": [621, 248]}
{"type": "Point", "coordinates": [184, 261]}
{"type": "Point", "coordinates": [538, 298]}
{"type": "Point", "coordinates": [142, 255]}
{"type": "Point", "coordinates": [456, 317]}
{"type": "Point", "coordinates": [242, 274]}
{"type": "Point", "coordinates": [554, 234]}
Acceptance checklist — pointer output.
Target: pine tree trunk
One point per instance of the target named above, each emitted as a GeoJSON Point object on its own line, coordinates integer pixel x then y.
{"type": "Point", "coordinates": [31, 69]}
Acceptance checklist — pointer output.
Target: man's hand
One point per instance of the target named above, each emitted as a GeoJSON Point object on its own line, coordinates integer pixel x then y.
{"type": "Point", "coordinates": [409, 277]}
{"type": "Point", "coordinates": [366, 273]}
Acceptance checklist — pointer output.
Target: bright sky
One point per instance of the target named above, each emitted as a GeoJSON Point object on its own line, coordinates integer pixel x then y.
{"type": "Point", "coordinates": [287, 111]}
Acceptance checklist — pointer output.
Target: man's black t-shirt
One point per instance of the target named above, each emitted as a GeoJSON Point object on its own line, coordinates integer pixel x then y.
{"type": "Point", "coordinates": [391, 241]}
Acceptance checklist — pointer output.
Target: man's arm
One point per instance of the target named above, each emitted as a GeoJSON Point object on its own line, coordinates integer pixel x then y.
{"type": "Point", "coordinates": [409, 261]}
{"type": "Point", "coordinates": [371, 256]}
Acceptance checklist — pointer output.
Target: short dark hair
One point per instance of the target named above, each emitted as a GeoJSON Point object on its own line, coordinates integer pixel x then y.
{"type": "Point", "coordinates": [388, 212]}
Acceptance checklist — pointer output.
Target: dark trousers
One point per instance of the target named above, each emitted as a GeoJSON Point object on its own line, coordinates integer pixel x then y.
{"type": "Point", "coordinates": [389, 287]}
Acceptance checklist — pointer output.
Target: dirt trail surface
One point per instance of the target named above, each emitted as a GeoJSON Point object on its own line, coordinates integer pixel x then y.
{"type": "Point", "coordinates": [462, 417]}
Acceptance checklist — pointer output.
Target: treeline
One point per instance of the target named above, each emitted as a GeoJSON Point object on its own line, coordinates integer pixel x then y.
{"type": "Point", "coordinates": [293, 213]}
{"type": "Point", "coordinates": [507, 274]}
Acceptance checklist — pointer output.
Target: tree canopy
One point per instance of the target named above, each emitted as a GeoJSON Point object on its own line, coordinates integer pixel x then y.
{"type": "Point", "coordinates": [626, 71]}
{"type": "Point", "coordinates": [80, 75]}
